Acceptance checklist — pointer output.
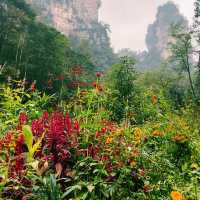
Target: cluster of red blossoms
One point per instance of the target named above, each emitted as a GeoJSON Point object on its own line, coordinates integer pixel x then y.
{"type": "Point", "coordinates": [96, 151]}
{"type": "Point", "coordinates": [12, 147]}
{"type": "Point", "coordinates": [60, 136]}
{"type": "Point", "coordinates": [19, 165]}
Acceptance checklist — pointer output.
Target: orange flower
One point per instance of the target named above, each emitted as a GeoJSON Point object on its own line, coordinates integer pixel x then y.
{"type": "Point", "coordinates": [157, 133]}
{"type": "Point", "coordinates": [179, 138]}
{"type": "Point", "coordinates": [133, 164]}
{"type": "Point", "coordinates": [154, 99]}
{"type": "Point", "coordinates": [147, 188]}
{"type": "Point", "coordinates": [108, 140]}
{"type": "Point", "coordinates": [97, 86]}
{"type": "Point", "coordinates": [136, 153]}
{"type": "Point", "coordinates": [176, 195]}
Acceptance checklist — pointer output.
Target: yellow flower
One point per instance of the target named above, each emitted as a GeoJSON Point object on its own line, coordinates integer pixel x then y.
{"type": "Point", "coordinates": [133, 163]}
{"type": "Point", "coordinates": [176, 195]}
{"type": "Point", "coordinates": [119, 131]}
{"type": "Point", "coordinates": [137, 135]}
{"type": "Point", "coordinates": [194, 166]}
{"type": "Point", "coordinates": [169, 127]}
{"type": "Point", "coordinates": [191, 197]}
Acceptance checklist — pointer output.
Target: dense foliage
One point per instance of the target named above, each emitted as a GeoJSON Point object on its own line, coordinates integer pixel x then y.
{"type": "Point", "coordinates": [32, 51]}
{"type": "Point", "coordinates": [77, 150]}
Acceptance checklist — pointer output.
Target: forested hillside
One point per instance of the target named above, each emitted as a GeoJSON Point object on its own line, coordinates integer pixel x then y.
{"type": "Point", "coordinates": [32, 51]}
{"type": "Point", "coordinates": [79, 21]}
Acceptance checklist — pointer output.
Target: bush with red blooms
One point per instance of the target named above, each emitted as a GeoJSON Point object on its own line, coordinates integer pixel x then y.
{"type": "Point", "coordinates": [59, 138]}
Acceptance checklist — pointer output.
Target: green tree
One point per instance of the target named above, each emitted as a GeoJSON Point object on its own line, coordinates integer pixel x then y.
{"type": "Point", "coordinates": [196, 33]}
{"type": "Point", "coordinates": [33, 51]}
{"type": "Point", "coordinates": [182, 53]}
{"type": "Point", "coordinates": [120, 81]}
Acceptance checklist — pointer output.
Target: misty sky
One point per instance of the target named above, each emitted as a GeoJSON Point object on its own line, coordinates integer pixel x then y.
{"type": "Point", "coordinates": [129, 19]}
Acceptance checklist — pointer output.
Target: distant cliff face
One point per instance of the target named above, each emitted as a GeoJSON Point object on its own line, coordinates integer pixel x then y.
{"type": "Point", "coordinates": [78, 19]}
{"type": "Point", "coordinates": [158, 35]}
{"type": "Point", "coordinates": [71, 17]}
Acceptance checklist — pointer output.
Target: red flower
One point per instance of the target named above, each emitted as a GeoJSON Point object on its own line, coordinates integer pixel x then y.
{"type": "Point", "coordinates": [77, 70]}
{"type": "Point", "coordinates": [33, 87]}
{"type": "Point", "coordinates": [23, 118]}
{"type": "Point", "coordinates": [19, 166]}
{"type": "Point", "coordinates": [94, 84]}
{"type": "Point", "coordinates": [104, 158]}
{"type": "Point", "coordinates": [101, 132]}
{"type": "Point", "coordinates": [97, 86]}
{"type": "Point", "coordinates": [37, 127]}
{"type": "Point", "coordinates": [68, 123]}
{"type": "Point", "coordinates": [92, 151]}
{"type": "Point", "coordinates": [57, 125]}
{"type": "Point", "coordinates": [45, 116]}
{"type": "Point", "coordinates": [65, 154]}
{"type": "Point", "coordinates": [75, 84]}
{"type": "Point", "coordinates": [19, 143]}
{"type": "Point", "coordinates": [99, 74]}
{"type": "Point", "coordinates": [17, 169]}
{"type": "Point", "coordinates": [58, 137]}
{"type": "Point", "coordinates": [6, 140]}
{"type": "Point", "coordinates": [76, 126]}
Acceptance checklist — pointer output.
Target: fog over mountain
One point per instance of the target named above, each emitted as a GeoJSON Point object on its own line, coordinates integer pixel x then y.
{"type": "Point", "coordinates": [81, 21]}
{"type": "Point", "coordinates": [158, 36]}
{"type": "Point", "coordinates": [129, 20]}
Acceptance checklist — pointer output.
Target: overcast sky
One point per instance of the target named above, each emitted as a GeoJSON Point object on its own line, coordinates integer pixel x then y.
{"type": "Point", "coordinates": [129, 19]}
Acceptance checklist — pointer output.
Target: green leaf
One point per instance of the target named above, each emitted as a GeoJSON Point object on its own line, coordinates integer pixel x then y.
{"type": "Point", "coordinates": [28, 136]}
{"type": "Point", "coordinates": [71, 189]}
{"type": "Point", "coordinates": [29, 142]}
{"type": "Point", "coordinates": [35, 147]}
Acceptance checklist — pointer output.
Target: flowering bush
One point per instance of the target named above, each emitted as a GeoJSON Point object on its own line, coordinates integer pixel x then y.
{"type": "Point", "coordinates": [82, 153]}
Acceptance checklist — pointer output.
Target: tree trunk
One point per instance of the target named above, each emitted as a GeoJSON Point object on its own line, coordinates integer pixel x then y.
{"type": "Point", "coordinates": [190, 77]}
